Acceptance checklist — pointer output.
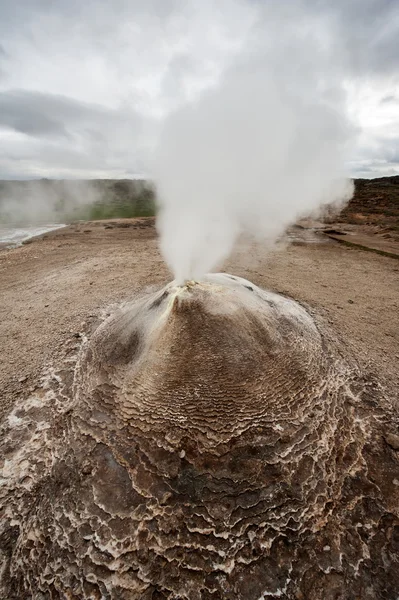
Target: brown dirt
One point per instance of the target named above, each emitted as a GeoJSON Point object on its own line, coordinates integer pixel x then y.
{"type": "Point", "coordinates": [368, 242]}
{"type": "Point", "coordinates": [51, 286]}
{"type": "Point", "coordinates": [375, 203]}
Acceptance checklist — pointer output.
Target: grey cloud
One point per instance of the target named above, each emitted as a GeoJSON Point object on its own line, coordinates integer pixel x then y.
{"type": "Point", "coordinates": [369, 169]}
{"type": "Point", "coordinates": [3, 58]}
{"type": "Point", "coordinates": [79, 79]}
{"type": "Point", "coordinates": [40, 114]}
{"type": "Point", "coordinates": [65, 136]}
{"type": "Point", "coordinates": [93, 15]}
{"type": "Point", "coordinates": [359, 169]}
{"type": "Point", "coordinates": [391, 150]}
{"type": "Point", "coordinates": [30, 113]}
{"type": "Point", "coordinates": [391, 98]}
{"type": "Point", "coordinates": [367, 33]}
{"type": "Point", "coordinates": [379, 156]}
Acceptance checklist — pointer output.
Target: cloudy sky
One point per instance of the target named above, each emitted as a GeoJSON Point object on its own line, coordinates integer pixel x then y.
{"type": "Point", "coordinates": [85, 86]}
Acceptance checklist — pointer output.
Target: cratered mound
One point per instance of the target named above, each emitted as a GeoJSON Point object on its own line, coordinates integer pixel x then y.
{"type": "Point", "coordinates": [215, 444]}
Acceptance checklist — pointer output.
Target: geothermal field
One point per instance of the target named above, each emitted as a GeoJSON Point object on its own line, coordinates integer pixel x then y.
{"type": "Point", "coordinates": [199, 300]}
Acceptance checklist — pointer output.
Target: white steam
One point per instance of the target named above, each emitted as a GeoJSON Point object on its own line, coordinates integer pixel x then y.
{"type": "Point", "coordinates": [37, 202]}
{"type": "Point", "coordinates": [265, 146]}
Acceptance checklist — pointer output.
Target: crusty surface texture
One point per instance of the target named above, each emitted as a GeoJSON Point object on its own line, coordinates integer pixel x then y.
{"type": "Point", "coordinates": [211, 441]}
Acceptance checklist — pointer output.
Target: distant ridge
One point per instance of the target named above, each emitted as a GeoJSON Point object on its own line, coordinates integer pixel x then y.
{"type": "Point", "coordinates": [68, 200]}
{"type": "Point", "coordinates": [375, 201]}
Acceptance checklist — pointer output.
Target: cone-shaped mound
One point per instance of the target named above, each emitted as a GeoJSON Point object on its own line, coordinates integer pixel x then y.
{"type": "Point", "coordinates": [217, 356]}
{"type": "Point", "coordinates": [214, 445]}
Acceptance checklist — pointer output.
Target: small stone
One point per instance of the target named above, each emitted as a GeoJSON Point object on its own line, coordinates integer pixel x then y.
{"type": "Point", "coordinates": [392, 440]}
{"type": "Point", "coordinates": [251, 535]}
{"type": "Point", "coordinates": [86, 468]}
{"type": "Point", "coordinates": [326, 548]}
{"type": "Point", "coordinates": [22, 379]}
{"type": "Point", "coordinates": [350, 301]}
{"type": "Point", "coordinates": [46, 305]}
{"type": "Point", "coordinates": [76, 335]}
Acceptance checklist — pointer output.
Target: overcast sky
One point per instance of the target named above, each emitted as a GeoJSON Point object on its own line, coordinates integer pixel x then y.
{"type": "Point", "coordinates": [85, 85]}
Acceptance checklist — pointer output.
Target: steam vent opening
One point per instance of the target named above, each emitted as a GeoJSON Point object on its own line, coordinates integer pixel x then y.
{"type": "Point", "coordinates": [216, 445]}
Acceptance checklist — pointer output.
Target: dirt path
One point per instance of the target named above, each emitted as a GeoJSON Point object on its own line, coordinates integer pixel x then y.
{"type": "Point", "coordinates": [49, 287]}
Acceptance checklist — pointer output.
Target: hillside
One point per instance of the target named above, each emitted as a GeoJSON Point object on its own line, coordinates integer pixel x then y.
{"type": "Point", "coordinates": [375, 202]}
{"type": "Point", "coordinates": [45, 200]}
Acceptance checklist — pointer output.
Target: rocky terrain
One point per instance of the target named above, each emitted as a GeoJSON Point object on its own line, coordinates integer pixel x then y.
{"type": "Point", "coordinates": [375, 204]}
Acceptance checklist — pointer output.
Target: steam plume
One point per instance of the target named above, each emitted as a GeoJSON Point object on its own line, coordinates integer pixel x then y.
{"type": "Point", "coordinates": [263, 147]}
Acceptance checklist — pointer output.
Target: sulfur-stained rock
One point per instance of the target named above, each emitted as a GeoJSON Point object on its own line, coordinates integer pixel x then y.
{"type": "Point", "coordinates": [216, 443]}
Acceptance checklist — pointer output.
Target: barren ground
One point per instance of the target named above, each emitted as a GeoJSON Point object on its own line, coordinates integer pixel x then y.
{"type": "Point", "coordinates": [50, 286]}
